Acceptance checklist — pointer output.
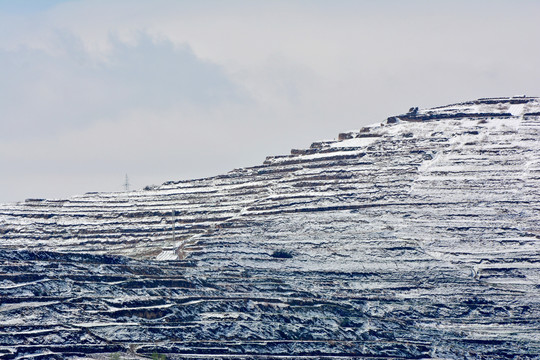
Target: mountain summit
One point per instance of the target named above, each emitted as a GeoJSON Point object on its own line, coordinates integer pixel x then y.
{"type": "Point", "coordinates": [414, 238]}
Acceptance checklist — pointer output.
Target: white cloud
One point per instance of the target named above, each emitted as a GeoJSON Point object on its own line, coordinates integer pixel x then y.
{"type": "Point", "coordinates": [45, 93]}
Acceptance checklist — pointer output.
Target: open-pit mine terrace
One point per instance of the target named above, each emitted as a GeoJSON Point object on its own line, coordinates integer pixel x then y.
{"type": "Point", "coordinates": [415, 238]}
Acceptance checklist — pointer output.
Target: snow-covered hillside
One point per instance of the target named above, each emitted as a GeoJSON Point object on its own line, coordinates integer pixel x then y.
{"type": "Point", "coordinates": [415, 238]}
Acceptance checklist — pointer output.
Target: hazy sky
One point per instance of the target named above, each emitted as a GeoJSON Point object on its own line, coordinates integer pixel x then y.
{"type": "Point", "coordinates": [165, 89]}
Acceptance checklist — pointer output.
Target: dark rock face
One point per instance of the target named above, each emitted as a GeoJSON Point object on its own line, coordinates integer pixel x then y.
{"type": "Point", "coordinates": [415, 239]}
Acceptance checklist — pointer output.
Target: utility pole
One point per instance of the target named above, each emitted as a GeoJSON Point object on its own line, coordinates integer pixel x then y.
{"type": "Point", "coordinates": [173, 220]}
{"type": "Point", "coordinates": [126, 184]}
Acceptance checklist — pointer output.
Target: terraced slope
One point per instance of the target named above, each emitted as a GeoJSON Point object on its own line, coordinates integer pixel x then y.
{"type": "Point", "coordinates": [414, 238]}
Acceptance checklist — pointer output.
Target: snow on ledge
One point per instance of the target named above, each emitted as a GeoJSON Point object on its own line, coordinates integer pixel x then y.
{"type": "Point", "coordinates": [167, 255]}
{"type": "Point", "coordinates": [356, 142]}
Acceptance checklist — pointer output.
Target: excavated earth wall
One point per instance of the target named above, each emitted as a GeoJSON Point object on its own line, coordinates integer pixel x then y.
{"type": "Point", "coordinates": [414, 238]}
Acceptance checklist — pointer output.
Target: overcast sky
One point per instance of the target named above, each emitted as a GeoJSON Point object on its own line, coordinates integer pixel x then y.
{"type": "Point", "coordinates": [162, 90]}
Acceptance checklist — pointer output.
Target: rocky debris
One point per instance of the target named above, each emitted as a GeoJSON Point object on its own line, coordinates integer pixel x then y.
{"type": "Point", "coordinates": [415, 239]}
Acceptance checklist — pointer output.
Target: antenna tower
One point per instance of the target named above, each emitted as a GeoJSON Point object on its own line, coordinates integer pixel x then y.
{"type": "Point", "coordinates": [126, 184]}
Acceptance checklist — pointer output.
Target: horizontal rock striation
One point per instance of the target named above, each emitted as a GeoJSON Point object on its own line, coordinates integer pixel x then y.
{"type": "Point", "coordinates": [414, 238]}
